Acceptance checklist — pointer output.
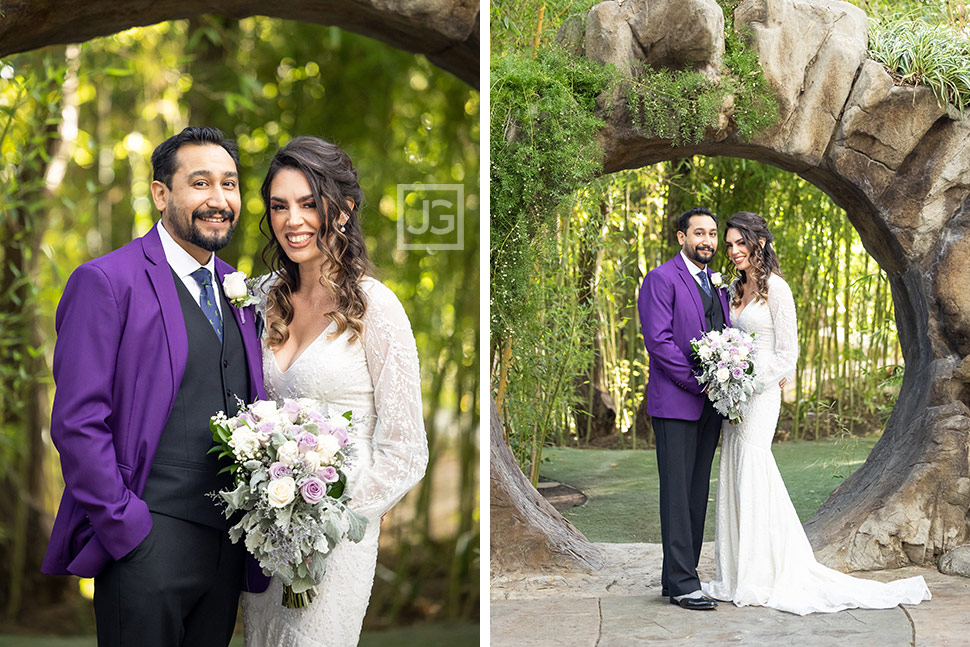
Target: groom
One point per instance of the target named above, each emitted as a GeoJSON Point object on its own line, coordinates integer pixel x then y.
{"type": "Point", "coordinates": [147, 350]}
{"type": "Point", "coordinates": [678, 303]}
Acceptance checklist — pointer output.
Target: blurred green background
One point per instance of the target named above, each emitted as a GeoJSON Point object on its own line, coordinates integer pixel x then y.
{"type": "Point", "coordinates": [78, 124]}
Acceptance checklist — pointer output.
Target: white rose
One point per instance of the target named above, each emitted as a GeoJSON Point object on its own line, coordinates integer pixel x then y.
{"type": "Point", "coordinates": [288, 452]}
{"type": "Point", "coordinates": [722, 374]}
{"type": "Point", "coordinates": [725, 356]}
{"type": "Point", "coordinates": [742, 352]}
{"type": "Point", "coordinates": [337, 421]}
{"type": "Point", "coordinates": [705, 352]}
{"type": "Point", "coordinates": [312, 460]}
{"type": "Point", "coordinates": [235, 285]}
{"type": "Point", "coordinates": [245, 443]}
{"type": "Point", "coordinates": [264, 410]}
{"type": "Point", "coordinates": [717, 280]}
{"type": "Point", "coordinates": [327, 448]}
{"type": "Point", "coordinates": [281, 491]}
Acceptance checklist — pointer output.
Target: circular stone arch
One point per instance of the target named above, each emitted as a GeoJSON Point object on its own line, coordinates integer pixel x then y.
{"type": "Point", "coordinates": [446, 31]}
{"type": "Point", "coordinates": [899, 164]}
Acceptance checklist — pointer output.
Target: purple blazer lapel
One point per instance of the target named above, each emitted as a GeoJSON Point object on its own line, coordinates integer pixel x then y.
{"type": "Point", "coordinates": [247, 327]}
{"type": "Point", "coordinates": [160, 275]}
{"type": "Point", "coordinates": [688, 280]}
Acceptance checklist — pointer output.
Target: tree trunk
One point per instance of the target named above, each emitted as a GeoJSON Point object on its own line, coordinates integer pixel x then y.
{"type": "Point", "coordinates": [527, 533]}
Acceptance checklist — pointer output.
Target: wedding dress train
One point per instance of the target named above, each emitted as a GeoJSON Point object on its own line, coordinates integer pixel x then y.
{"type": "Point", "coordinates": [375, 377]}
{"type": "Point", "coordinates": [763, 555]}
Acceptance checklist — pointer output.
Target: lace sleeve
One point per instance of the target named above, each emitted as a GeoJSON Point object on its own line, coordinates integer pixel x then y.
{"type": "Point", "coordinates": [781, 304]}
{"type": "Point", "coordinates": [400, 444]}
{"type": "Point", "coordinates": [260, 290]}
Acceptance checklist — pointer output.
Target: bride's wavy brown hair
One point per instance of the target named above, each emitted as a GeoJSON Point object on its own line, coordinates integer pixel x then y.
{"type": "Point", "coordinates": [764, 260]}
{"type": "Point", "coordinates": [333, 181]}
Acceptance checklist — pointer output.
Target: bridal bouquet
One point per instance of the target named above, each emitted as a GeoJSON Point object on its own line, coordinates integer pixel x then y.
{"type": "Point", "coordinates": [289, 466]}
{"type": "Point", "coordinates": [726, 367]}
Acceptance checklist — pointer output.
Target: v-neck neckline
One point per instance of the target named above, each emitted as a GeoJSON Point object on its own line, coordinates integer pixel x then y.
{"type": "Point", "coordinates": [299, 355]}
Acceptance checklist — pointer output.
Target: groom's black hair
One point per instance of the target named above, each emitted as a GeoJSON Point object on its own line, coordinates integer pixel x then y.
{"type": "Point", "coordinates": [685, 217]}
{"type": "Point", "coordinates": [163, 158]}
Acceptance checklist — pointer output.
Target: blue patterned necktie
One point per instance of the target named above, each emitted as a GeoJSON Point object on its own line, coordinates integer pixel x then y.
{"type": "Point", "coordinates": [702, 275]}
{"type": "Point", "coordinates": [207, 300]}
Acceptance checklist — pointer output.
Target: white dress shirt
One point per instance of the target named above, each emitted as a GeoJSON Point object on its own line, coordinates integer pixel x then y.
{"type": "Point", "coordinates": [183, 265]}
{"type": "Point", "coordinates": [692, 268]}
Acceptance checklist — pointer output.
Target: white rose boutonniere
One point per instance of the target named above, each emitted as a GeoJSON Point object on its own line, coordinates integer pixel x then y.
{"type": "Point", "coordinates": [238, 290]}
{"type": "Point", "coordinates": [717, 280]}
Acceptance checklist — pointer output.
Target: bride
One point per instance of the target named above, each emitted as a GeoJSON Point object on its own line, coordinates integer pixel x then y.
{"type": "Point", "coordinates": [334, 333]}
{"type": "Point", "coordinates": [763, 556]}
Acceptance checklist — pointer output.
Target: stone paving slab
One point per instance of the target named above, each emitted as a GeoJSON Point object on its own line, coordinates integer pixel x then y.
{"type": "Point", "coordinates": [621, 606]}
{"type": "Point", "coordinates": [540, 623]}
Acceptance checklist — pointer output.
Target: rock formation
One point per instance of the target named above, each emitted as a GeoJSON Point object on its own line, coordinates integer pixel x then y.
{"type": "Point", "coordinates": [899, 164]}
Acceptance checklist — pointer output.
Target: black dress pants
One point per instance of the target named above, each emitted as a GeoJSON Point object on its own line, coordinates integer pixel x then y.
{"type": "Point", "coordinates": [178, 588]}
{"type": "Point", "coordinates": [685, 451]}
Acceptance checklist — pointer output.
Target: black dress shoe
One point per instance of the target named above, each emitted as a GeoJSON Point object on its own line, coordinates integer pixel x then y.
{"type": "Point", "coordinates": [664, 592]}
{"type": "Point", "coordinates": [703, 603]}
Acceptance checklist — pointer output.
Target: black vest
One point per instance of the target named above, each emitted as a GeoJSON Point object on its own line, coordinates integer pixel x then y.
{"type": "Point", "coordinates": [713, 312]}
{"type": "Point", "coordinates": [183, 474]}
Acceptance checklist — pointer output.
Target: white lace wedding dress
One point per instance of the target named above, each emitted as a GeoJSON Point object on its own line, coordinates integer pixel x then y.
{"type": "Point", "coordinates": [763, 556]}
{"type": "Point", "coordinates": [377, 377]}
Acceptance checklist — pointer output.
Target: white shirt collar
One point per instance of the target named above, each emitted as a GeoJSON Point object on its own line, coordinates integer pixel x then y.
{"type": "Point", "coordinates": [691, 267]}
{"type": "Point", "coordinates": [180, 260]}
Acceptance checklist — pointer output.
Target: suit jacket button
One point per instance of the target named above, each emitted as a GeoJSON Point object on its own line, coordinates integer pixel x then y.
{"type": "Point", "coordinates": [228, 393]}
{"type": "Point", "coordinates": [225, 363]}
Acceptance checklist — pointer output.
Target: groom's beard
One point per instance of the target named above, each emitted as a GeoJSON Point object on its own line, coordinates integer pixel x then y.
{"type": "Point", "coordinates": [186, 228]}
{"type": "Point", "coordinates": [702, 254]}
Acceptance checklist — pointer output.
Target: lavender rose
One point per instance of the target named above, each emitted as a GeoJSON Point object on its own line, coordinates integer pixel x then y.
{"type": "Point", "coordinates": [313, 490]}
{"type": "Point", "coordinates": [290, 410]}
{"type": "Point", "coordinates": [306, 441]}
{"type": "Point", "coordinates": [328, 475]}
{"type": "Point", "coordinates": [278, 470]}
{"type": "Point", "coordinates": [341, 435]}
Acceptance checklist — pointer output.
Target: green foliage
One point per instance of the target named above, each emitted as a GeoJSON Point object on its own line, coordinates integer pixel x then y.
{"type": "Point", "coordinates": [755, 105]}
{"type": "Point", "coordinates": [29, 117]}
{"type": "Point", "coordinates": [677, 105]}
{"type": "Point", "coordinates": [917, 52]}
{"type": "Point", "coordinates": [516, 25]}
{"type": "Point", "coordinates": [550, 350]}
{"type": "Point", "coordinates": [543, 145]}
{"type": "Point", "coordinates": [681, 105]}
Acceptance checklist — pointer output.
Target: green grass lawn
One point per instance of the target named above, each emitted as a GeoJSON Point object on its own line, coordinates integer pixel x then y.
{"type": "Point", "coordinates": [458, 635]}
{"type": "Point", "coordinates": [623, 487]}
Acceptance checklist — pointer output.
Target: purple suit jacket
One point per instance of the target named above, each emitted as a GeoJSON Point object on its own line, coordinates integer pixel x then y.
{"type": "Point", "coordinates": [119, 360]}
{"type": "Point", "coordinates": [671, 314]}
